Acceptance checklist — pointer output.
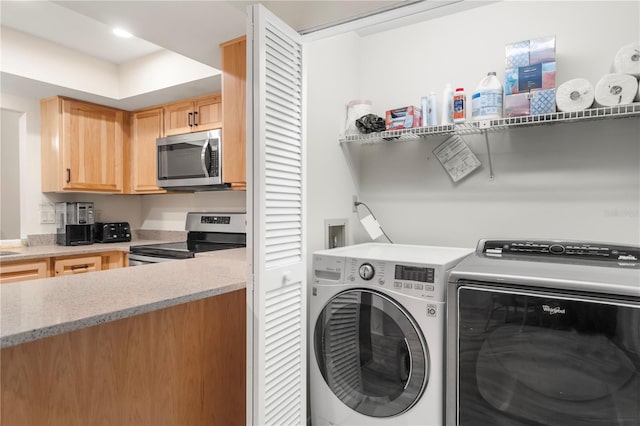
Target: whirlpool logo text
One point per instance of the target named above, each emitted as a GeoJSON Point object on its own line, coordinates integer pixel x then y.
{"type": "Point", "coordinates": [552, 310]}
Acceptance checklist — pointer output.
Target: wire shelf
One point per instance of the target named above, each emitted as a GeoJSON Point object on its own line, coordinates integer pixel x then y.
{"type": "Point", "coordinates": [403, 134]}
{"type": "Point", "coordinates": [475, 127]}
{"type": "Point", "coordinates": [620, 111]}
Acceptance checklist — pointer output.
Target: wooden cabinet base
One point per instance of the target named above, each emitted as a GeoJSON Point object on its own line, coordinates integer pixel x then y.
{"type": "Point", "coordinates": [183, 365]}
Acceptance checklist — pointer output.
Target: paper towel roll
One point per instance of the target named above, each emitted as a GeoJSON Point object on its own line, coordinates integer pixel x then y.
{"type": "Point", "coordinates": [627, 60]}
{"type": "Point", "coordinates": [575, 95]}
{"type": "Point", "coordinates": [616, 89]}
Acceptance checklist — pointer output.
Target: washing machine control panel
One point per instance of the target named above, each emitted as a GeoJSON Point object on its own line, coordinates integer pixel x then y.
{"type": "Point", "coordinates": [422, 281]}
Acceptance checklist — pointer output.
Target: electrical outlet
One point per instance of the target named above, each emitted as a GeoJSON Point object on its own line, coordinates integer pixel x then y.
{"type": "Point", "coordinates": [47, 213]}
{"type": "Point", "coordinates": [354, 206]}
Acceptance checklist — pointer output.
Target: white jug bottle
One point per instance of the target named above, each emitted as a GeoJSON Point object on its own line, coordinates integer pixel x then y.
{"type": "Point", "coordinates": [447, 105]}
{"type": "Point", "coordinates": [486, 102]}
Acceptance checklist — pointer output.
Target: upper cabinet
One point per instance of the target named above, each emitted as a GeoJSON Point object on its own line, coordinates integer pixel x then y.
{"type": "Point", "coordinates": [82, 146]}
{"type": "Point", "coordinates": [141, 165]}
{"type": "Point", "coordinates": [234, 71]}
{"type": "Point", "coordinates": [193, 115]}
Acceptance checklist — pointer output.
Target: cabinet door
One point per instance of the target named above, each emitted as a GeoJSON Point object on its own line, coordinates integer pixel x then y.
{"type": "Point", "coordinates": [92, 147]}
{"type": "Point", "coordinates": [114, 260]}
{"type": "Point", "coordinates": [207, 113]}
{"type": "Point", "coordinates": [77, 265]}
{"type": "Point", "coordinates": [22, 271]}
{"type": "Point", "coordinates": [234, 71]}
{"type": "Point", "coordinates": [146, 127]}
{"type": "Point", "coordinates": [178, 118]}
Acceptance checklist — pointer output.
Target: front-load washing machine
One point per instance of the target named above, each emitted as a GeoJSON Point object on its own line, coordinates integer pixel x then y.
{"type": "Point", "coordinates": [376, 332]}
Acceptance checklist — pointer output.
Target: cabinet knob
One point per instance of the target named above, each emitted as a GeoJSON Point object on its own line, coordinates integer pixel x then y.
{"type": "Point", "coordinates": [190, 119]}
{"type": "Point", "coordinates": [68, 175]}
{"type": "Point", "coordinates": [195, 118]}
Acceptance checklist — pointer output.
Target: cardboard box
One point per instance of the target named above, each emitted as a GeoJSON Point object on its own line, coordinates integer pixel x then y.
{"type": "Point", "coordinates": [403, 118]}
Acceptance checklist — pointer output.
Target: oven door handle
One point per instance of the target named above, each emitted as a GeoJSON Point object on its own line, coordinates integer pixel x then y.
{"type": "Point", "coordinates": [148, 259]}
{"type": "Point", "coordinates": [203, 156]}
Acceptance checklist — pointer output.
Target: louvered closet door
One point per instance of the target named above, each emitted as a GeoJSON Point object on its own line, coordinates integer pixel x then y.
{"type": "Point", "coordinates": [277, 376]}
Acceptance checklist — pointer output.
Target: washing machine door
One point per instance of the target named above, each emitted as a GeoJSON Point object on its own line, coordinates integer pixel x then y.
{"type": "Point", "coordinates": [371, 353]}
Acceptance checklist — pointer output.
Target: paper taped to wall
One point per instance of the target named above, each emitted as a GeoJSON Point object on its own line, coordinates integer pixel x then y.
{"type": "Point", "coordinates": [456, 157]}
{"type": "Point", "coordinates": [371, 226]}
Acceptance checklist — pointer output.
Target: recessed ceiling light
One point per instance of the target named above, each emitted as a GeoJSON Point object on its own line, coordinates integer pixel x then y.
{"type": "Point", "coordinates": [122, 33]}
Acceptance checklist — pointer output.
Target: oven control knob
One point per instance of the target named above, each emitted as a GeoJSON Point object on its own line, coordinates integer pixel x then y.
{"type": "Point", "coordinates": [366, 271]}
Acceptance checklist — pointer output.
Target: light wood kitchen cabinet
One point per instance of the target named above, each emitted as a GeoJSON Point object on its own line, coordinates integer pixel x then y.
{"type": "Point", "coordinates": [77, 264]}
{"type": "Point", "coordinates": [140, 163]}
{"type": "Point", "coordinates": [82, 146]}
{"type": "Point", "coordinates": [193, 115]}
{"type": "Point", "coordinates": [114, 260]}
{"type": "Point", "coordinates": [234, 71]}
{"type": "Point", "coordinates": [11, 272]}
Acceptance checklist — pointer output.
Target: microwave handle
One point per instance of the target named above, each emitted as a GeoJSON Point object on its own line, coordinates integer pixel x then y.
{"type": "Point", "coordinates": [203, 156]}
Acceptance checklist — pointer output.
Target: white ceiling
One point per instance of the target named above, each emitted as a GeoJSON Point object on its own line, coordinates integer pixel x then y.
{"type": "Point", "coordinates": [191, 28]}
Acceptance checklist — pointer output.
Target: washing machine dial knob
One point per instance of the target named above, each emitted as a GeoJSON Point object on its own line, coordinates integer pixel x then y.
{"type": "Point", "coordinates": [366, 271]}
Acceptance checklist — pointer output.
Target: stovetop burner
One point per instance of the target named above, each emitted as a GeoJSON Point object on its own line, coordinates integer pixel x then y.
{"type": "Point", "coordinates": [207, 232]}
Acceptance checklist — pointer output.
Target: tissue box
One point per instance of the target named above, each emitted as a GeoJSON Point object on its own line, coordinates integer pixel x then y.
{"type": "Point", "coordinates": [530, 65]}
{"type": "Point", "coordinates": [517, 54]}
{"type": "Point", "coordinates": [543, 101]}
{"type": "Point", "coordinates": [403, 118]}
{"type": "Point", "coordinates": [536, 102]}
{"type": "Point", "coordinates": [517, 105]}
{"type": "Point", "coordinates": [542, 50]}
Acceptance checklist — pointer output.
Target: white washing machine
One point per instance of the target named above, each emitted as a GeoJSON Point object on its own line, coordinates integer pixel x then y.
{"type": "Point", "coordinates": [376, 333]}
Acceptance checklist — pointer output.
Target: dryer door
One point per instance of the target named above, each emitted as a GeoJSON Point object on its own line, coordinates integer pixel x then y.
{"type": "Point", "coordinates": [371, 353]}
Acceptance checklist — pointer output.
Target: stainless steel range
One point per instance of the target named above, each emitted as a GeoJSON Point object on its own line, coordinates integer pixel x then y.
{"type": "Point", "coordinates": [206, 232]}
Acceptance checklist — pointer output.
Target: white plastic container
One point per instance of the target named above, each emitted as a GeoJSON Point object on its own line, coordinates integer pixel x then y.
{"type": "Point", "coordinates": [432, 104]}
{"type": "Point", "coordinates": [459, 106]}
{"type": "Point", "coordinates": [447, 105]}
{"type": "Point", "coordinates": [486, 102]}
{"type": "Point", "coordinates": [424, 104]}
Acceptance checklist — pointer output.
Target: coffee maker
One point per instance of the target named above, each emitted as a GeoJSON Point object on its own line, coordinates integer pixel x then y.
{"type": "Point", "coordinates": [74, 224]}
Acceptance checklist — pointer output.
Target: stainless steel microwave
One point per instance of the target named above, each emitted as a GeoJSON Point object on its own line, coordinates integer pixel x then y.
{"type": "Point", "coordinates": [192, 161]}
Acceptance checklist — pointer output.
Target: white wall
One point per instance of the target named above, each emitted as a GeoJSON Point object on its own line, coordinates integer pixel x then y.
{"type": "Point", "coordinates": [579, 180]}
{"type": "Point", "coordinates": [10, 172]}
{"type": "Point", "coordinates": [169, 211]}
{"type": "Point", "coordinates": [332, 80]}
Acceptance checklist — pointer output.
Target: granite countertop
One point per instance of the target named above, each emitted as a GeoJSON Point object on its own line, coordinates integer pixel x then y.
{"type": "Point", "coordinates": [31, 310]}
{"type": "Point", "coordinates": [36, 252]}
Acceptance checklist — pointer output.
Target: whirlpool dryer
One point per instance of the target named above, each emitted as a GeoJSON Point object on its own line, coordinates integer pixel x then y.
{"type": "Point", "coordinates": [376, 327]}
{"type": "Point", "coordinates": [544, 333]}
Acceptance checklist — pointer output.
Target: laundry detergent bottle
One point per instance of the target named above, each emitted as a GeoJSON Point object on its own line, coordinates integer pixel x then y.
{"type": "Point", "coordinates": [486, 101]}
{"type": "Point", "coordinates": [447, 105]}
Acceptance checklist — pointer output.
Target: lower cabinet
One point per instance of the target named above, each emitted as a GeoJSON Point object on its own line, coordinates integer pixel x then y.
{"type": "Point", "coordinates": [76, 265]}
{"type": "Point", "coordinates": [181, 365]}
{"type": "Point", "coordinates": [24, 270]}
{"type": "Point", "coordinates": [114, 260]}
{"type": "Point", "coordinates": [58, 266]}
